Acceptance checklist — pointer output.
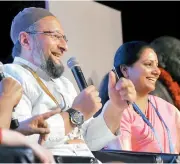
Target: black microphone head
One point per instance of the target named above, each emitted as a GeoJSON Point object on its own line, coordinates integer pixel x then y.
{"type": "Point", "coordinates": [1, 67]}
{"type": "Point", "coordinates": [1, 71]}
{"type": "Point", "coordinates": [72, 62]}
{"type": "Point", "coordinates": [77, 73]}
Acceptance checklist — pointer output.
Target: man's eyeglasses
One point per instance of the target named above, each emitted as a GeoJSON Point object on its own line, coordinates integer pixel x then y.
{"type": "Point", "coordinates": [54, 34]}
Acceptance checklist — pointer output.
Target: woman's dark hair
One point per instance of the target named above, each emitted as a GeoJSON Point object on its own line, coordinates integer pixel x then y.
{"type": "Point", "coordinates": [127, 54]}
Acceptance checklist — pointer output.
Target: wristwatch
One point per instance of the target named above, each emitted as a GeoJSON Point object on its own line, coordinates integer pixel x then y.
{"type": "Point", "coordinates": [76, 117]}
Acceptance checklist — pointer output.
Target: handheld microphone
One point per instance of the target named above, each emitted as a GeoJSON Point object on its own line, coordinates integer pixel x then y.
{"type": "Point", "coordinates": [77, 72]}
{"type": "Point", "coordinates": [1, 71]}
{"type": "Point", "coordinates": [14, 121]}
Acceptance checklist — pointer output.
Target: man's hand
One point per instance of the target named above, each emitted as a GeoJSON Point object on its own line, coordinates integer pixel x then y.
{"type": "Point", "coordinates": [37, 125]}
{"type": "Point", "coordinates": [10, 95]}
{"type": "Point", "coordinates": [88, 102]}
{"type": "Point", "coordinates": [10, 89]}
{"type": "Point", "coordinates": [121, 92]}
{"type": "Point", "coordinates": [43, 154]}
{"type": "Point", "coordinates": [13, 138]}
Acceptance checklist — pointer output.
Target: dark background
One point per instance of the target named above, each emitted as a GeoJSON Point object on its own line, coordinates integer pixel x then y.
{"type": "Point", "coordinates": [8, 10]}
{"type": "Point", "coordinates": [147, 20]}
{"type": "Point", "coordinates": [140, 20]}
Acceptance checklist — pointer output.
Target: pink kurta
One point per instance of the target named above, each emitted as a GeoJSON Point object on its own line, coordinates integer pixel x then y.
{"type": "Point", "coordinates": [135, 135]}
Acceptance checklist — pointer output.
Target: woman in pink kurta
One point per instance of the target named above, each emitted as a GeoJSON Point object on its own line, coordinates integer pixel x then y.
{"type": "Point", "coordinates": [137, 136]}
{"type": "Point", "coordinates": [138, 62]}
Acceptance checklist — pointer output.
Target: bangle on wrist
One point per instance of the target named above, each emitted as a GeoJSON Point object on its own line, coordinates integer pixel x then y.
{"type": "Point", "coordinates": [0, 136]}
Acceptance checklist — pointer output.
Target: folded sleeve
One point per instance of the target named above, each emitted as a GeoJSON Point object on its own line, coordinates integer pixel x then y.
{"type": "Point", "coordinates": [96, 133]}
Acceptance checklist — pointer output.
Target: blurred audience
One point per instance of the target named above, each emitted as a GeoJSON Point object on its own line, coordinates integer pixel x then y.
{"type": "Point", "coordinates": [168, 84]}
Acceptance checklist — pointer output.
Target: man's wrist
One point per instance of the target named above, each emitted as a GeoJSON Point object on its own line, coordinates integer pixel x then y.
{"type": "Point", "coordinates": [112, 116]}
{"type": "Point", "coordinates": [21, 129]}
{"type": "Point", "coordinates": [76, 117]}
{"type": "Point", "coordinates": [7, 102]}
{"type": "Point", "coordinates": [8, 98]}
{"type": "Point", "coordinates": [67, 123]}
{"type": "Point", "coordinates": [84, 112]}
{"type": "Point", "coordinates": [66, 115]}
{"type": "Point", "coordinates": [115, 108]}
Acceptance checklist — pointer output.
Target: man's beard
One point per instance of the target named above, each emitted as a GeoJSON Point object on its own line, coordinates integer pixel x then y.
{"type": "Point", "coordinates": [54, 70]}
